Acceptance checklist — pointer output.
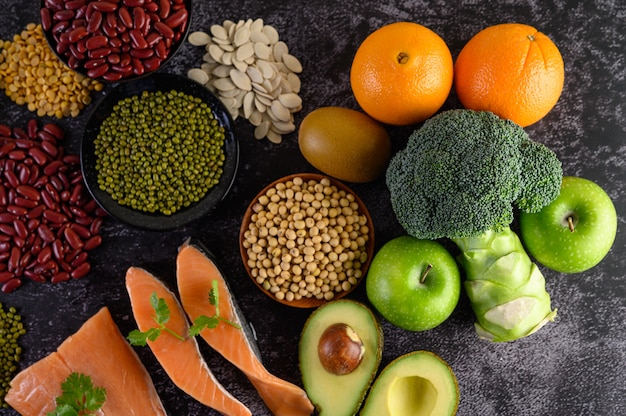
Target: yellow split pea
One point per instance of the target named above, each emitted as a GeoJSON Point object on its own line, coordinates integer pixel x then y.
{"type": "Point", "coordinates": [32, 75]}
{"type": "Point", "coordinates": [306, 239]}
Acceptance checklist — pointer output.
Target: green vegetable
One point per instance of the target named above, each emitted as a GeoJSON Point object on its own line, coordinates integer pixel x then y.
{"type": "Point", "coordinates": [461, 176]}
{"type": "Point", "coordinates": [159, 151]}
{"type": "Point", "coordinates": [162, 316]}
{"type": "Point", "coordinates": [79, 397]}
{"type": "Point", "coordinates": [11, 328]}
{"type": "Point", "coordinates": [204, 321]}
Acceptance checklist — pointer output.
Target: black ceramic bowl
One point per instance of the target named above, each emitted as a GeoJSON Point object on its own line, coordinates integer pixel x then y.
{"type": "Point", "coordinates": [156, 221]}
{"type": "Point", "coordinates": [126, 45]}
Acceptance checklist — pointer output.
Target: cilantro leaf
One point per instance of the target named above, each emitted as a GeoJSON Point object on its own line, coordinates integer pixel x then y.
{"type": "Point", "coordinates": [161, 317]}
{"type": "Point", "coordinates": [79, 397]}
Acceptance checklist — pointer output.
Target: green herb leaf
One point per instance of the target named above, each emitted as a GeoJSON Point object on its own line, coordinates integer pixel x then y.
{"type": "Point", "coordinates": [210, 322]}
{"type": "Point", "coordinates": [161, 317]}
{"type": "Point", "coordinates": [79, 397]}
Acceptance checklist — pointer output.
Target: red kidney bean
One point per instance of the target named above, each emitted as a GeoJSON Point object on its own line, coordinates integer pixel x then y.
{"type": "Point", "coordinates": [5, 149]}
{"type": "Point", "coordinates": [7, 217]}
{"type": "Point", "coordinates": [139, 18]}
{"type": "Point", "coordinates": [81, 271]}
{"type": "Point", "coordinates": [46, 18]}
{"type": "Point", "coordinates": [74, 4]}
{"type": "Point", "coordinates": [152, 64]}
{"type": "Point", "coordinates": [93, 63]}
{"type": "Point", "coordinates": [45, 233]}
{"type": "Point", "coordinates": [125, 17]}
{"type": "Point", "coordinates": [164, 8]}
{"type": "Point", "coordinates": [14, 258]}
{"type": "Point", "coordinates": [5, 276]}
{"type": "Point", "coordinates": [133, 3]}
{"type": "Point", "coordinates": [94, 22]}
{"type": "Point", "coordinates": [176, 19]}
{"type": "Point", "coordinates": [160, 50]}
{"type": "Point", "coordinates": [54, 216]}
{"type": "Point", "coordinates": [104, 6]}
{"type": "Point", "coordinates": [54, 130]}
{"type": "Point", "coordinates": [48, 201]}
{"type": "Point", "coordinates": [35, 212]}
{"type": "Point", "coordinates": [153, 38]}
{"type": "Point", "coordinates": [96, 42]}
{"type": "Point", "coordinates": [38, 155]}
{"type": "Point", "coordinates": [137, 39]}
{"type": "Point", "coordinates": [17, 210]}
{"type": "Point", "coordinates": [29, 192]}
{"type": "Point", "coordinates": [113, 59]}
{"type": "Point", "coordinates": [25, 203]}
{"type": "Point", "coordinates": [34, 276]}
{"type": "Point", "coordinates": [79, 259]}
{"type": "Point", "coordinates": [78, 33]}
{"type": "Point", "coordinates": [164, 29]}
{"type": "Point", "coordinates": [60, 277]}
{"type": "Point", "coordinates": [7, 230]}
{"type": "Point", "coordinates": [44, 255]}
{"type": "Point", "coordinates": [123, 70]}
{"type": "Point", "coordinates": [11, 284]}
{"type": "Point", "coordinates": [142, 53]}
{"type": "Point", "coordinates": [63, 15]}
{"type": "Point", "coordinates": [112, 76]}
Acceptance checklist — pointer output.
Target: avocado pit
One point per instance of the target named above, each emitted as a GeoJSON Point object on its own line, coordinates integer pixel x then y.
{"type": "Point", "coordinates": [340, 349]}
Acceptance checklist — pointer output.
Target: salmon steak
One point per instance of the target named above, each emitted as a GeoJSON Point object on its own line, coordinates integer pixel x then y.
{"type": "Point", "coordinates": [180, 358]}
{"type": "Point", "coordinates": [195, 273]}
{"type": "Point", "coordinates": [100, 351]}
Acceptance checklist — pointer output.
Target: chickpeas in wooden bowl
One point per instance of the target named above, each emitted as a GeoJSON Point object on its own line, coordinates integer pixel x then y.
{"type": "Point", "coordinates": [306, 239]}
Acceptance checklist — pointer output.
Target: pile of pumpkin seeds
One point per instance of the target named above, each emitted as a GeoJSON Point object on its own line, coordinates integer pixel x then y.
{"type": "Point", "coordinates": [11, 328]}
{"type": "Point", "coordinates": [252, 72]}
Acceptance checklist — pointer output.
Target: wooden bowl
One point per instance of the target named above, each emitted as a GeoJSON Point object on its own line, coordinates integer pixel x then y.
{"type": "Point", "coordinates": [312, 301]}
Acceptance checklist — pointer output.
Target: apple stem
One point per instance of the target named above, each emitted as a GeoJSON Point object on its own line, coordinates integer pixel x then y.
{"type": "Point", "coordinates": [570, 223]}
{"type": "Point", "coordinates": [427, 270]}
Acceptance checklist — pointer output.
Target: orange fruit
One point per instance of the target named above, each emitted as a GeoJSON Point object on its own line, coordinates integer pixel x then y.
{"type": "Point", "coordinates": [512, 70]}
{"type": "Point", "coordinates": [402, 73]}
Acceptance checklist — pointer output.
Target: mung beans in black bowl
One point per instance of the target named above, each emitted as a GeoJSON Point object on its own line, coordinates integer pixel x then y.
{"type": "Point", "coordinates": [159, 152]}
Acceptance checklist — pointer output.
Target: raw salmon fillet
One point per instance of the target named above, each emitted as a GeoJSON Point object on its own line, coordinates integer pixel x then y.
{"type": "Point", "coordinates": [195, 272]}
{"type": "Point", "coordinates": [100, 351]}
{"type": "Point", "coordinates": [181, 359]}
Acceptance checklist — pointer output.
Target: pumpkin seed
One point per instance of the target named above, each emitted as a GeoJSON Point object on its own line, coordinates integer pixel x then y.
{"type": "Point", "coordinates": [253, 73]}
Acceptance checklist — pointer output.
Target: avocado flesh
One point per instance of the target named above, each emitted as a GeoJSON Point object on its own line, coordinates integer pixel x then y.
{"type": "Point", "coordinates": [339, 395]}
{"type": "Point", "coordinates": [415, 384]}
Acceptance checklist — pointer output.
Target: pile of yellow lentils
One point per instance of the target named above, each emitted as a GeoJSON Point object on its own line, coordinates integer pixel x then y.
{"type": "Point", "coordinates": [32, 75]}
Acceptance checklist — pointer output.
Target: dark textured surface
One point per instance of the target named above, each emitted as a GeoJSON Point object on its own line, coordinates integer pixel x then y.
{"type": "Point", "coordinates": [571, 367]}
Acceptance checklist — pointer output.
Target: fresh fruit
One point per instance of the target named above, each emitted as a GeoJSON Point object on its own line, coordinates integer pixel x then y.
{"type": "Point", "coordinates": [417, 383]}
{"type": "Point", "coordinates": [343, 143]}
{"type": "Point", "coordinates": [402, 73]}
{"type": "Point", "coordinates": [512, 70]}
{"type": "Point", "coordinates": [576, 231]}
{"type": "Point", "coordinates": [415, 284]}
{"type": "Point", "coordinates": [345, 335]}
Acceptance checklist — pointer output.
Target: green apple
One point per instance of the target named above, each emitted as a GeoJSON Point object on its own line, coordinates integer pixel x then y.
{"type": "Point", "coordinates": [414, 284]}
{"type": "Point", "coordinates": [576, 231]}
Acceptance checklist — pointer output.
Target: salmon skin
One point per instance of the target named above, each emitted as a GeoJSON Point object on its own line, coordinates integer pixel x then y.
{"type": "Point", "coordinates": [180, 358]}
{"type": "Point", "coordinates": [195, 272]}
{"type": "Point", "coordinates": [100, 351]}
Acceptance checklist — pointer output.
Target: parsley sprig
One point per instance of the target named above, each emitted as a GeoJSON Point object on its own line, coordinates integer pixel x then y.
{"type": "Point", "coordinates": [79, 397]}
{"type": "Point", "coordinates": [162, 316]}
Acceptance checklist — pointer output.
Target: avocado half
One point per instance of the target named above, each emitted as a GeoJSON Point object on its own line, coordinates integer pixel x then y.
{"type": "Point", "coordinates": [419, 383]}
{"type": "Point", "coordinates": [334, 394]}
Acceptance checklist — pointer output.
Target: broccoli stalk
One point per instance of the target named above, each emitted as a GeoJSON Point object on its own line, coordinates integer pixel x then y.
{"type": "Point", "coordinates": [461, 176]}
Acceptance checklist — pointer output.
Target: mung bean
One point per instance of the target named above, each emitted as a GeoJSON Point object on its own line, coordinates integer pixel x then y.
{"type": "Point", "coordinates": [159, 151]}
{"type": "Point", "coordinates": [11, 328]}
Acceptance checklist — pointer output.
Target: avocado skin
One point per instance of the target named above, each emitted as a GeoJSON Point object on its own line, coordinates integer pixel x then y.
{"type": "Point", "coordinates": [340, 395]}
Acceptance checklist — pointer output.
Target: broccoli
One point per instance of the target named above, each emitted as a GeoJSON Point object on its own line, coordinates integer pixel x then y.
{"type": "Point", "coordinates": [461, 176]}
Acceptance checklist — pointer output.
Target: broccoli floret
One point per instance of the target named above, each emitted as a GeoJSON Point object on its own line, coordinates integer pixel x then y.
{"type": "Point", "coordinates": [463, 173]}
